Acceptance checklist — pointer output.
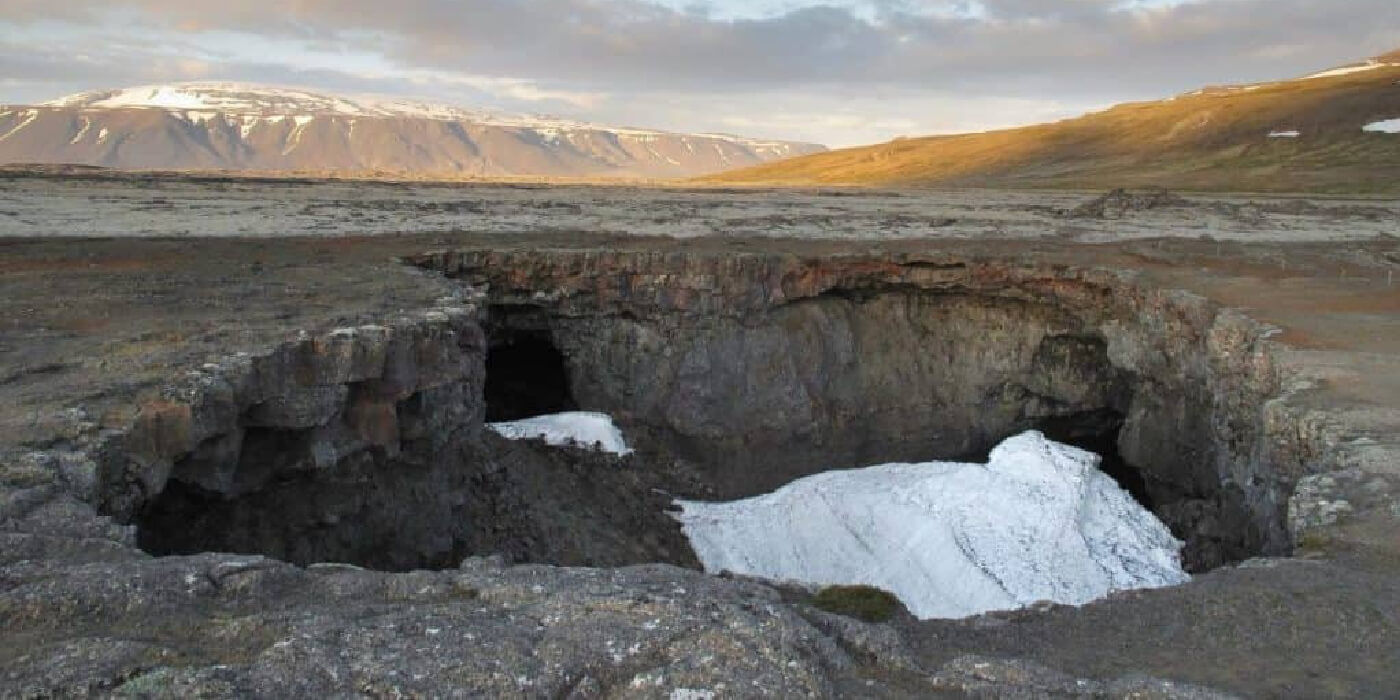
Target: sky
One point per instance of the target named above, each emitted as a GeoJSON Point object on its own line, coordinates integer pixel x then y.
{"type": "Point", "coordinates": [837, 72]}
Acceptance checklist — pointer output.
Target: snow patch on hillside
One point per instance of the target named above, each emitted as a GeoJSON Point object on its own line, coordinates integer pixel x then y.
{"type": "Point", "coordinates": [197, 117]}
{"type": "Point", "coordinates": [1228, 90]}
{"type": "Point", "coordinates": [1389, 126]}
{"type": "Point", "coordinates": [574, 428]}
{"type": "Point", "coordinates": [29, 116]}
{"type": "Point", "coordinates": [246, 125]}
{"type": "Point", "coordinates": [1038, 522]}
{"type": "Point", "coordinates": [1348, 70]}
{"type": "Point", "coordinates": [87, 125]}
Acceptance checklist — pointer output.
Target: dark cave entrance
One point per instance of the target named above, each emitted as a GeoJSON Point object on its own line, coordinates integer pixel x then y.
{"type": "Point", "coordinates": [526, 375]}
{"type": "Point", "coordinates": [1097, 432]}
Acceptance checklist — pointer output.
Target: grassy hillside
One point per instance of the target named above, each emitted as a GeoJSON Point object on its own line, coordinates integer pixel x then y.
{"type": "Point", "coordinates": [1213, 139]}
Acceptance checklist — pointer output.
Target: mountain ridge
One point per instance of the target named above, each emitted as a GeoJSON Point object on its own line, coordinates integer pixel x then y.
{"type": "Point", "coordinates": [246, 126]}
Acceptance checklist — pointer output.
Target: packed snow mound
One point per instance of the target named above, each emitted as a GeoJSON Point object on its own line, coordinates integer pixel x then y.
{"type": "Point", "coordinates": [572, 429]}
{"type": "Point", "coordinates": [1038, 522]}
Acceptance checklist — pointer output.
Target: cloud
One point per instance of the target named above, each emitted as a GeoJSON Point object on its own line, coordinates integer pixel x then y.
{"type": "Point", "coordinates": [592, 57]}
{"type": "Point", "coordinates": [508, 88]}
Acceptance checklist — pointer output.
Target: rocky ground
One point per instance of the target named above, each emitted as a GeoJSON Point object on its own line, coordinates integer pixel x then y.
{"type": "Point", "coordinates": [125, 363]}
{"type": "Point", "coordinates": [131, 204]}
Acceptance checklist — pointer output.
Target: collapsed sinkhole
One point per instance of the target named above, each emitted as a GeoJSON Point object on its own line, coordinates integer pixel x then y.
{"type": "Point", "coordinates": [718, 409]}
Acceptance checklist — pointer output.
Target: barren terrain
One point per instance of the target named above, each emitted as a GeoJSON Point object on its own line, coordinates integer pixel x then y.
{"type": "Point", "coordinates": [124, 205]}
{"type": "Point", "coordinates": [123, 299]}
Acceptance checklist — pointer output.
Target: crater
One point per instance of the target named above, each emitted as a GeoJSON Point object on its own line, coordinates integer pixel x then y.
{"type": "Point", "coordinates": [732, 375]}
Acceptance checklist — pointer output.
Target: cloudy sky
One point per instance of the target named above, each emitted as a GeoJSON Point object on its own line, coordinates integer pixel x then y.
{"type": "Point", "coordinates": [840, 72]}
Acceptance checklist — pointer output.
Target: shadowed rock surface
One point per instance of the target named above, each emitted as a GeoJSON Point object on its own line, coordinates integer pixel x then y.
{"type": "Point", "coordinates": [294, 392]}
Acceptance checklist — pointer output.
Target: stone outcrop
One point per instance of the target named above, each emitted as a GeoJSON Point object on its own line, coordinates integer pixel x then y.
{"type": "Point", "coordinates": [481, 630]}
{"type": "Point", "coordinates": [362, 445]}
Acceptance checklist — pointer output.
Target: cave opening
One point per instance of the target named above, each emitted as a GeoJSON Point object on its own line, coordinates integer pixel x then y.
{"type": "Point", "coordinates": [526, 376]}
{"type": "Point", "coordinates": [1097, 432]}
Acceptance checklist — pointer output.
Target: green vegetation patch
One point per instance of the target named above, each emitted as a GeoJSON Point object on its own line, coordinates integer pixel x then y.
{"type": "Point", "coordinates": [861, 602]}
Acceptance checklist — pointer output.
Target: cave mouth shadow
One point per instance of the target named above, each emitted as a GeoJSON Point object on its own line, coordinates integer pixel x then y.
{"type": "Point", "coordinates": [1097, 432]}
{"type": "Point", "coordinates": [526, 376]}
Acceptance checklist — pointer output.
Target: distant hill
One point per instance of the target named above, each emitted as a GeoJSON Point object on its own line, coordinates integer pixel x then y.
{"type": "Point", "coordinates": [1333, 131]}
{"type": "Point", "coordinates": [261, 128]}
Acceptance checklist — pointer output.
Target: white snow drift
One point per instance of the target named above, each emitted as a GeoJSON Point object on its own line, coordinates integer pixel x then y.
{"type": "Point", "coordinates": [573, 429]}
{"type": "Point", "coordinates": [1038, 522]}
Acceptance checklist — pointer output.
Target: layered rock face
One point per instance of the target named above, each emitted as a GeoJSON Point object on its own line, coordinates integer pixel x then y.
{"type": "Point", "coordinates": [366, 446]}
{"type": "Point", "coordinates": [756, 369]}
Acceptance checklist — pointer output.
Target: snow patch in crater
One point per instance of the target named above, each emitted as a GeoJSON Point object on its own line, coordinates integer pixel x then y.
{"type": "Point", "coordinates": [1038, 522]}
{"type": "Point", "coordinates": [571, 429]}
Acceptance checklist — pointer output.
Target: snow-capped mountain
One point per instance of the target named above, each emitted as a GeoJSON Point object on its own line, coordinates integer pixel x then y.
{"type": "Point", "coordinates": [256, 127]}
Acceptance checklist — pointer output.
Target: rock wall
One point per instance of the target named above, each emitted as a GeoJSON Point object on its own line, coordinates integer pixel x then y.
{"type": "Point", "coordinates": [364, 445]}
{"type": "Point", "coordinates": [757, 369]}
{"type": "Point", "coordinates": [323, 448]}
